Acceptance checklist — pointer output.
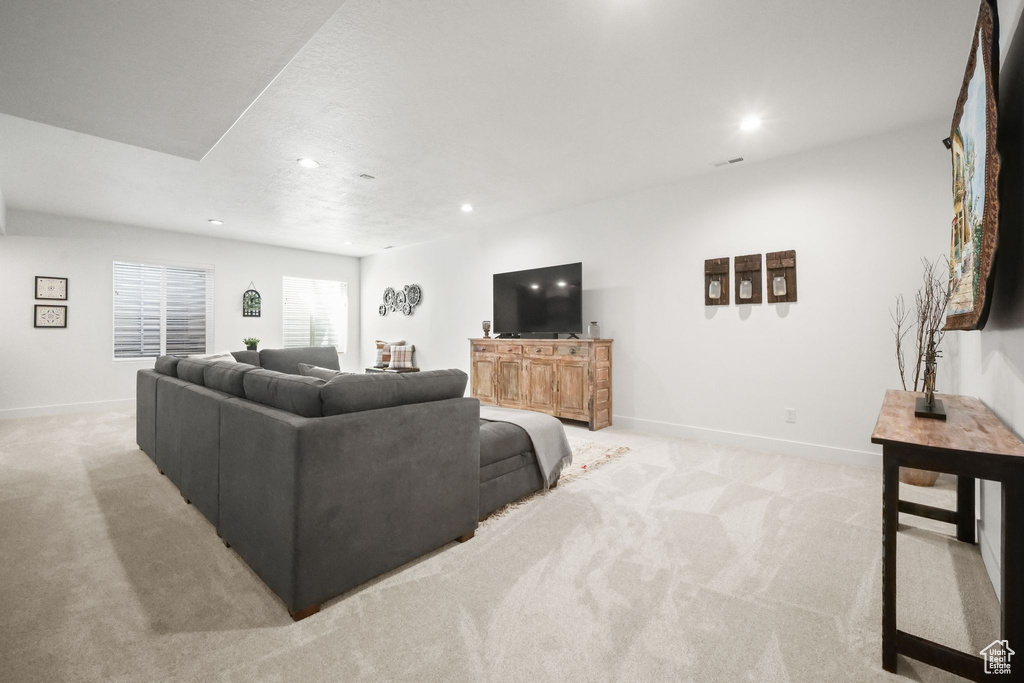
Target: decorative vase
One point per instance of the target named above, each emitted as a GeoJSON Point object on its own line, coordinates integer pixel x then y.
{"type": "Point", "coordinates": [916, 477]}
{"type": "Point", "coordinates": [593, 330]}
{"type": "Point", "coordinates": [487, 329]}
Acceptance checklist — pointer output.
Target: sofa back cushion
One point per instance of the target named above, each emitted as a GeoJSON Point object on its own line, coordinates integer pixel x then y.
{"type": "Point", "coordinates": [325, 374]}
{"type": "Point", "coordinates": [355, 393]}
{"type": "Point", "coordinates": [167, 365]}
{"type": "Point", "coordinates": [287, 360]}
{"type": "Point", "coordinates": [250, 357]}
{"type": "Point", "coordinates": [299, 395]}
{"type": "Point", "coordinates": [226, 377]}
{"type": "Point", "coordinates": [192, 370]}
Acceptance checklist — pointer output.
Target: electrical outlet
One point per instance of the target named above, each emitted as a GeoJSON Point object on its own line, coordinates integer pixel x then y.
{"type": "Point", "coordinates": [791, 415]}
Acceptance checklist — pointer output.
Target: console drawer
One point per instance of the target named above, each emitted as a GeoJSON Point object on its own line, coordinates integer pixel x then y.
{"type": "Point", "coordinates": [577, 351]}
{"type": "Point", "coordinates": [510, 348]}
{"type": "Point", "coordinates": [540, 350]}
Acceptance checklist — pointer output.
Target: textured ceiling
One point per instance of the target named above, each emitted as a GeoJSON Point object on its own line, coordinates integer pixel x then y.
{"type": "Point", "coordinates": [517, 107]}
{"type": "Point", "coordinates": [168, 76]}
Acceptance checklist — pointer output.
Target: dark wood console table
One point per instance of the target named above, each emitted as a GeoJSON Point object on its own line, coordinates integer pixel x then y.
{"type": "Point", "coordinates": [972, 444]}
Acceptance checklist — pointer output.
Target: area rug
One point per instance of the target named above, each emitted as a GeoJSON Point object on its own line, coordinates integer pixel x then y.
{"type": "Point", "coordinates": [587, 456]}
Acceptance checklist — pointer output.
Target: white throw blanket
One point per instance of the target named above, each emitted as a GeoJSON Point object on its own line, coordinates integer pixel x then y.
{"type": "Point", "coordinates": [547, 434]}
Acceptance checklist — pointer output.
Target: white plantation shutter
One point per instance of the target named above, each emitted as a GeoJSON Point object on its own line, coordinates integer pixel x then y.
{"type": "Point", "coordinates": [315, 313]}
{"type": "Point", "coordinates": [162, 310]}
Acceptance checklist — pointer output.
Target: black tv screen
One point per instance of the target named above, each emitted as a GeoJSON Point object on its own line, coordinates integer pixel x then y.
{"type": "Point", "coordinates": [539, 301]}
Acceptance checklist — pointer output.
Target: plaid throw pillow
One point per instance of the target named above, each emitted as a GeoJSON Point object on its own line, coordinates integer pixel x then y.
{"type": "Point", "coordinates": [401, 356]}
{"type": "Point", "coordinates": [384, 352]}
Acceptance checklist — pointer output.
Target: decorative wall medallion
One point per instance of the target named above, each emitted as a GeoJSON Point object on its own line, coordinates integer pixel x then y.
{"type": "Point", "coordinates": [252, 303]}
{"type": "Point", "coordinates": [405, 300]}
{"type": "Point", "coordinates": [51, 316]}
{"type": "Point", "coordinates": [55, 288]}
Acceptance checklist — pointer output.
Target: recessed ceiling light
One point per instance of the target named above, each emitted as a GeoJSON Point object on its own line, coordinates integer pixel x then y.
{"type": "Point", "coordinates": [347, 244]}
{"type": "Point", "coordinates": [467, 208]}
{"type": "Point", "coordinates": [308, 163]}
{"type": "Point", "coordinates": [214, 221]}
{"type": "Point", "coordinates": [750, 123]}
{"type": "Point", "coordinates": [534, 286]}
{"type": "Point", "coordinates": [561, 283]}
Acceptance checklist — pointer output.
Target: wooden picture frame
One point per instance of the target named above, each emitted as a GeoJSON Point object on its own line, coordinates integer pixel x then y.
{"type": "Point", "coordinates": [50, 288]}
{"type": "Point", "coordinates": [747, 268]}
{"type": "Point", "coordinates": [50, 316]}
{"type": "Point", "coordinates": [975, 165]}
{"type": "Point", "coordinates": [716, 269]}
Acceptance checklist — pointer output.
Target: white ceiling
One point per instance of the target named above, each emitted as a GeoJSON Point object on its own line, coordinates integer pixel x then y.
{"type": "Point", "coordinates": [169, 76]}
{"type": "Point", "coordinates": [517, 107]}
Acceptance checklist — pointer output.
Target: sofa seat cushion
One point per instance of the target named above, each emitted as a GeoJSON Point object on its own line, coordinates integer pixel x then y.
{"type": "Point", "coordinates": [193, 370]}
{"type": "Point", "coordinates": [287, 360]}
{"type": "Point", "coordinates": [500, 441]}
{"type": "Point", "coordinates": [355, 393]}
{"type": "Point", "coordinates": [299, 395]}
{"type": "Point", "coordinates": [511, 464]}
{"type": "Point", "coordinates": [226, 377]}
{"type": "Point", "coordinates": [167, 365]}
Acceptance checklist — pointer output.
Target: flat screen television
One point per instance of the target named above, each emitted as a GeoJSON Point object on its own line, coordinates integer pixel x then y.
{"type": "Point", "coordinates": [542, 301]}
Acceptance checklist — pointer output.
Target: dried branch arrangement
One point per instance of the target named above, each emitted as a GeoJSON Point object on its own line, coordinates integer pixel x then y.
{"type": "Point", "coordinates": [928, 318]}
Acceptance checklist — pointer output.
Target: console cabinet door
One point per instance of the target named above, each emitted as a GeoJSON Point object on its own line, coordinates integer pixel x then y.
{"type": "Point", "coordinates": [540, 385]}
{"type": "Point", "coordinates": [484, 386]}
{"type": "Point", "coordinates": [510, 382]}
{"type": "Point", "coordinates": [573, 395]}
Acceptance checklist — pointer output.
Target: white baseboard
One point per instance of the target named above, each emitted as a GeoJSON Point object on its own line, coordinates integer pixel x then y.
{"type": "Point", "coordinates": [847, 456]}
{"type": "Point", "coordinates": [991, 559]}
{"type": "Point", "coordinates": [65, 408]}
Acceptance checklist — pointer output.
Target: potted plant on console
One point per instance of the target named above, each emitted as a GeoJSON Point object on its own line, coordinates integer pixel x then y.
{"type": "Point", "coordinates": [250, 343]}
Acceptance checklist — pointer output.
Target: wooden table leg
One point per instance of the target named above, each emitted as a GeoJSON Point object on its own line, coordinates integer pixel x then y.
{"type": "Point", "coordinates": [965, 527]}
{"type": "Point", "coordinates": [890, 524]}
{"type": "Point", "coordinates": [1012, 581]}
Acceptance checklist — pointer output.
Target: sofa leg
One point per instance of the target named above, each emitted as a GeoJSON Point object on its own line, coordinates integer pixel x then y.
{"type": "Point", "coordinates": [187, 501]}
{"type": "Point", "coordinates": [553, 485]}
{"type": "Point", "coordinates": [226, 544]}
{"type": "Point", "coordinates": [466, 536]}
{"type": "Point", "coordinates": [303, 613]}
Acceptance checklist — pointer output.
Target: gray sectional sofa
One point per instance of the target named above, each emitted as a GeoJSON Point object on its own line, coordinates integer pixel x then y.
{"type": "Point", "coordinates": [321, 485]}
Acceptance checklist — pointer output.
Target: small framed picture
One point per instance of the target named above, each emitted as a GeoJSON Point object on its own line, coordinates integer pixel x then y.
{"type": "Point", "coordinates": [51, 316]}
{"type": "Point", "coordinates": [54, 288]}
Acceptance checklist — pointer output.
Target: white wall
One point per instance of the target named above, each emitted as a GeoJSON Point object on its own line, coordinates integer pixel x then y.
{"type": "Point", "coordinates": [991, 361]}
{"type": "Point", "coordinates": [860, 217]}
{"type": "Point", "coordinates": [3, 213]}
{"type": "Point", "coordinates": [46, 368]}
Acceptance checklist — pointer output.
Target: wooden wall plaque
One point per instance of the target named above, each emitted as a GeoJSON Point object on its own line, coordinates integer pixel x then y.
{"type": "Point", "coordinates": [716, 269]}
{"type": "Point", "coordinates": [747, 268]}
{"type": "Point", "coordinates": [781, 264]}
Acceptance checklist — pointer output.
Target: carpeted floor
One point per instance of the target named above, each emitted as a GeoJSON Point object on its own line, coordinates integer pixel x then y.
{"type": "Point", "coordinates": [678, 561]}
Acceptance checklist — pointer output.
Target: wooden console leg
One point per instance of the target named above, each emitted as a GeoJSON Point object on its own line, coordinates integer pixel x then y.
{"type": "Point", "coordinates": [303, 613]}
{"type": "Point", "coordinates": [466, 536]}
{"type": "Point", "coordinates": [554, 484]}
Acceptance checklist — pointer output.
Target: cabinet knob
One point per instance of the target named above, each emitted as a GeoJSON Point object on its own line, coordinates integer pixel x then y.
{"type": "Point", "coordinates": [572, 352]}
{"type": "Point", "coordinates": [536, 350]}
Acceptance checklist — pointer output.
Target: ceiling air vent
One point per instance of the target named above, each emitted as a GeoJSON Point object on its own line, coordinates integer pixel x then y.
{"type": "Point", "coordinates": [366, 176]}
{"type": "Point", "coordinates": [720, 164]}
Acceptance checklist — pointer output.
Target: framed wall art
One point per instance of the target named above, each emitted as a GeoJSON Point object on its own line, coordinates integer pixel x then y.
{"type": "Point", "coordinates": [975, 180]}
{"type": "Point", "coordinates": [47, 315]}
{"type": "Point", "coordinates": [52, 288]}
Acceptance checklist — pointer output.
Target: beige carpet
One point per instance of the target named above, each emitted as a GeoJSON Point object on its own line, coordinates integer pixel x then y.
{"type": "Point", "coordinates": [680, 561]}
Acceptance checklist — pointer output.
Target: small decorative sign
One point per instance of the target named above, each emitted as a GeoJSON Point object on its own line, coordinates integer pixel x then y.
{"type": "Point", "coordinates": [54, 288]}
{"type": "Point", "coordinates": [51, 316]}
{"type": "Point", "coordinates": [252, 303]}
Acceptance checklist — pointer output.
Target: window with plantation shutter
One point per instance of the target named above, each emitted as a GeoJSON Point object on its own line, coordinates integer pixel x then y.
{"type": "Point", "coordinates": [315, 313]}
{"type": "Point", "coordinates": [162, 310]}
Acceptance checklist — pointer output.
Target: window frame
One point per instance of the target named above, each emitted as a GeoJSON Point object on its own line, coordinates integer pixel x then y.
{"type": "Point", "coordinates": [343, 333]}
